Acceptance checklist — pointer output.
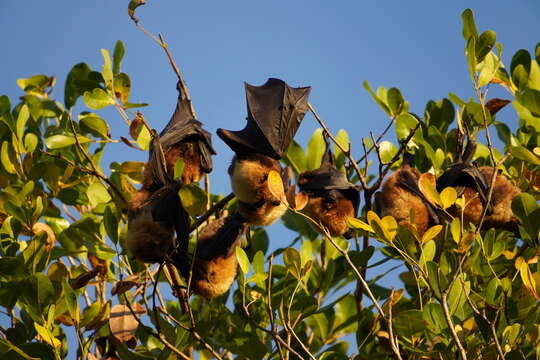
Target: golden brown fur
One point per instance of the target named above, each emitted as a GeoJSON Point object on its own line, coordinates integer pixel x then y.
{"type": "Point", "coordinates": [215, 269]}
{"type": "Point", "coordinates": [503, 194]}
{"type": "Point", "coordinates": [331, 214]}
{"type": "Point", "coordinates": [249, 175]}
{"type": "Point", "coordinates": [397, 201]}
{"type": "Point", "coordinates": [147, 240]}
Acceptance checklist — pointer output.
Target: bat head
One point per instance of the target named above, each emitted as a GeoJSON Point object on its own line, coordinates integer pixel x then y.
{"type": "Point", "coordinates": [275, 111]}
{"type": "Point", "coordinates": [184, 127]}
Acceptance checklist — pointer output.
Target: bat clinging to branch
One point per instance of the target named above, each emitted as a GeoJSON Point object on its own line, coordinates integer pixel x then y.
{"type": "Point", "coordinates": [275, 112]}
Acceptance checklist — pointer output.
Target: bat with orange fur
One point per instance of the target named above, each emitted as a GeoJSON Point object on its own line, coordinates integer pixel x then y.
{"type": "Point", "coordinates": [213, 266]}
{"type": "Point", "coordinates": [332, 198]}
{"type": "Point", "coordinates": [275, 111]}
{"type": "Point", "coordinates": [401, 198]}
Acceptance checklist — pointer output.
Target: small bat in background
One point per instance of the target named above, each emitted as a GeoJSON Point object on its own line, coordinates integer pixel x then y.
{"type": "Point", "coordinates": [154, 216]}
{"type": "Point", "coordinates": [473, 183]}
{"type": "Point", "coordinates": [401, 198]}
{"type": "Point", "coordinates": [214, 264]}
{"type": "Point", "coordinates": [332, 198]}
{"type": "Point", "coordinates": [183, 137]}
{"type": "Point", "coordinates": [275, 111]}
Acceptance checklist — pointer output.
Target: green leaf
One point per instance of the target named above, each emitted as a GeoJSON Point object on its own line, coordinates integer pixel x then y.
{"type": "Point", "coordinates": [243, 260]}
{"type": "Point", "coordinates": [94, 124]}
{"type": "Point", "coordinates": [520, 67]}
{"type": "Point", "coordinates": [106, 69]}
{"type": "Point", "coordinates": [6, 154]}
{"type": "Point", "coordinates": [358, 224]}
{"type": "Point", "coordinates": [531, 100]}
{"type": "Point", "coordinates": [448, 197]}
{"type": "Point", "coordinates": [395, 101]}
{"type": "Point", "coordinates": [455, 229]}
{"type": "Point", "coordinates": [456, 99]}
{"type": "Point", "coordinates": [122, 87]}
{"type": "Point", "coordinates": [469, 26]}
{"type": "Point", "coordinates": [37, 293]}
{"type": "Point", "coordinates": [457, 294]}
{"type": "Point", "coordinates": [5, 104]}
{"type": "Point", "coordinates": [315, 150]}
{"type": "Point", "coordinates": [22, 118]}
{"type": "Point", "coordinates": [377, 99]}
{"type": "Point", "coordinates": [471, 55]}
{"type": "Point", "coordinates": [428, 250]}
{"type": "Point", "coordinates": [387, 151]}
{"type": "Point", "coordinates": [343, 140]}
{"type": "Point", "coordinates": [97, 193]}
{"type": "Point", "coordinates": [258, 262]}
{"type": "Point", "coordinates": [179, 168]}
{"type": "Point", "coordinates": [97, 99]}
{"type": "Point", "coordinates": [485, 43]}
{"type": "Point", "coordinates": [405, 123]}
{"type": "Point", "coordinates": [118, 55]}
{"type": "Point", "coordinates": [71, 301]}
{"type": "Point", "coordinates": [60, 141]}
{"type": "Point", "coordinates": [111, 224]}
{"type": "Point", "coordinates": [473, 115]}
{"type": "Point", "coordinates": [409, 323]}
{"type": "Point", "coordinates": [30, 142]}
{"type": "Point", "coordinates": [524, 154]}
{"type": "Point", "coordinates": [293, 260]}
{"type": "Point", "coordinates": [77, 82]}
{"type": "Point", "coordinates": [526, 209]}
{"type": "Point", "coordinates": [488, 70]}
{"type": "Point", "coordinates": [295, 157]}
{"type": "Point", "coordinates": [193, 199]}
{"type": "Point", "coordinates": [431, 233]}
{"type": "Point", "coordinates": [433, 315]}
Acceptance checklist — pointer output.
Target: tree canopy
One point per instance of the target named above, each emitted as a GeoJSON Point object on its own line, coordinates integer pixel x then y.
{"type": "Point", "coordinates": [467, 290]}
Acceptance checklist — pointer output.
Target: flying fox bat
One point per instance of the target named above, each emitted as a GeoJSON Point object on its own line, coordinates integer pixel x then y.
{"type": "Point", "coordinates": [156, 213]}
{"type": "Point", "coordinates": [332, 198]}
{"type": "Point", "coordinates": [401, 197]}
{"type": "Point", "coordinates": [214, 264]}
{"type": "Point", "coordinates": [184, 137]}
{"type": "Point", "coordinates": [275, 111]}
{"type": "Point", "coordinates": [473, 183]}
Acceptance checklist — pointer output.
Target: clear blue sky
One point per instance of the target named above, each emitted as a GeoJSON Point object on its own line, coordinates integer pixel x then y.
{"type": "Point", "coordinates": [331, 45]}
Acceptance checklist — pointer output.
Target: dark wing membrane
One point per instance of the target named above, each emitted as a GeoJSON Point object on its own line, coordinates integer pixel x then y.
{"type": "Point", "coordinates": [167, 208]}
{"type": "Point", "coordinates": [156, 163]}
{"type": "Point", "coordinates": [480, 184]}
{"type": "Point", "coordinates": [277, 110]}
{"type": "Point", "coordinates": [182, 126]}
{"type": "Point", "coordinates": [325, 178]}
{"type": "Point", "coordinates": [219, 238]}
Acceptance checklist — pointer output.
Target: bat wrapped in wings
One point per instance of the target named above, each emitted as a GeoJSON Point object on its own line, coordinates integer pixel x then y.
{"type": "Point", "coordinates": [473, 183]}
{"type": "Point", "coordinates": [275, 111]}
{"type": "Point", "coordinates": [213, 266]}
{"type": "Point", "coordinates": [401, 198]}
{"type": "Point", "coordinates": [332, 198]}
{"type": "Point", "coordinates": [183, 137]}
{"type": "Point", "coordinates": [155, 213]}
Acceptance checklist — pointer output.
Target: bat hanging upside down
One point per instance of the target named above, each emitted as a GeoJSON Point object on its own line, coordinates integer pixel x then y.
{"type": "Point", "coordinates": [275, 112]}
{"type": "Point", "coordinates": [215, 263]}
{"type": "Point", "coordinates": [401, 198]}
{"type": "Point", "coordinates": [473, 183]}
{"type": "Point", "coordinates": [154, 215]}
{"type": "Point", "coordinates": [332, 198]}
{"type": "Point", "coordinates": [155, 212]}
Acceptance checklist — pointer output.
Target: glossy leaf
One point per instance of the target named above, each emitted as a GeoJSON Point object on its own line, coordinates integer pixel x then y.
{"type": "Point", "coordinates": [243, 260]}
{"type": "Point", "coordinates": [97, 99]}
{"type": "Point", "coordinates": [193, 199]}
{"type": "Point", "coordinates": [118, 55]}
{"type": "Point", "coordinates": [275, 185]}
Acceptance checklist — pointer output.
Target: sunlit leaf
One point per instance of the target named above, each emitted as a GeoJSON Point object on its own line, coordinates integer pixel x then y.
{"type": "Point", "coordinates": [275, 185]}
{"type": "Point", "coordinates": [194, 199]}
{"type": "Point", "coordinates": [118, 55]}
{"type": "Point", "coordinates": [97, 99]}
{"type": "Point", "coordinates": [243, 260]}
{"type": "Point", "coordinates": [358, 224]}
{"type": "Point", "coordinates": [431, 233]}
